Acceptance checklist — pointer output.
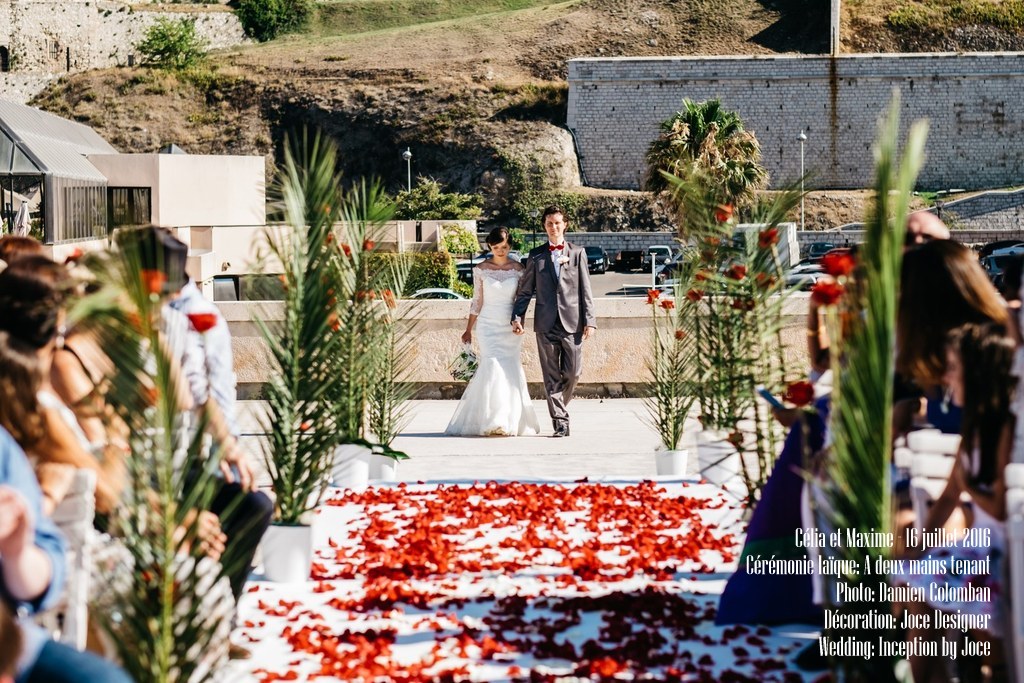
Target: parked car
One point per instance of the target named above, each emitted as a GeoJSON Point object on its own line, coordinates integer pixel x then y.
{"type": "Point", "coordinates": [669, 270]}
{"type": "Point", "coordinates": [998, 245]}
{"type": "Point", "coordinates": [436, 293]}
{"type": "Point", "coordinates": [629, 259]}
{"type": "Point", "coordinates": [804, 276]}
{"type": "Point", "coordinates": [661, 254]}
{"type": "Point", "coordinates": [597, 260]}
{"type": "Point", "coordinates": [835, 252]}
{"type": "Point", "coordinates": [996, 262]}
{"type": "Point", "coordinates": [818, 249]}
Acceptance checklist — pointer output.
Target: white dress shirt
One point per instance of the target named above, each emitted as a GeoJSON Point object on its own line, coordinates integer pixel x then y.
{"type": "Point", "coordinates": [555, 255]}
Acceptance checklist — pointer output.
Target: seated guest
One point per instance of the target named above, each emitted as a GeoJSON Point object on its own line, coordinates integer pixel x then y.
{"type": "Point", "coordinates": [942, 286]}
{"type": "Point", "coordinates": [10, 645]}
{"type": "Point", "coordinates": [30, 312]}
{"type": "Point", "coordinates": [13, 247]}
{"type": "Point", "coordinates": [33, 561]}
{"type": "Point", "coordinates": [202, 346]}
{"type": "Point", "coordinates": [977, 372]}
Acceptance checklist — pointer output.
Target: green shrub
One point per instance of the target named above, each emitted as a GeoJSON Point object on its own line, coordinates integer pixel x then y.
{"type": "Point", "coordinates": [458, 239]}
{"type": "Point", "coordinates": [427, 269]}
{"type": "Point", "coordinates": [426, 202]}
{"type": "Point", "coordinates": [172, 44]}
{"type": "Point", "coordinates": [528, 191]}
{"type": "Point", "coordinates": [267, 19]}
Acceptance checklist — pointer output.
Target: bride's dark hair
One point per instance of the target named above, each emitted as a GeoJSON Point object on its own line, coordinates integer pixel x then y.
{"type": "Point", "coordinates": [497, 236]}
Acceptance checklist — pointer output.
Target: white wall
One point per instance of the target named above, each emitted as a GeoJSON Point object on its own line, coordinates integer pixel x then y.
{"type": "Point", "coordinates": [200, 190]}
{"type": "Point", "coordinates": [193, 189]}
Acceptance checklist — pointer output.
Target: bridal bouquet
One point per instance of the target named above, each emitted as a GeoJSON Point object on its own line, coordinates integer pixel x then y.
{"type": "Point", "coordinates": [464, 365]}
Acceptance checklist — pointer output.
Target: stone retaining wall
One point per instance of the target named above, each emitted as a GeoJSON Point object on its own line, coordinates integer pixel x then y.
{"type": "Point", "coordinates": [975, 103]}
{"type": "Point", "coordinates": [613, 359]}
{"type": "Point", "coordinates": [47, 39]}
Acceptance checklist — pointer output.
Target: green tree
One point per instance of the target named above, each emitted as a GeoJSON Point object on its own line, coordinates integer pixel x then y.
{"type": "Point", "coordinates": [267, 19]}
{"type": "Point", "coordinates": [172, 44]}
{"type": "Point", "coordinates": [703, 137]}
{"type": "Point", "coordinates": [458, 239]}
{"type": "Point", "coordinates": [427, 202]}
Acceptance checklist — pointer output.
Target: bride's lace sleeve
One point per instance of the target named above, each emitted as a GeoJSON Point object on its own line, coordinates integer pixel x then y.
{"type": "Point", "coordinates": [478, 293]}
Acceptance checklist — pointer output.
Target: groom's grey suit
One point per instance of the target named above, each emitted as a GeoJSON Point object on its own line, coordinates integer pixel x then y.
{"type": "Point", "coordinates": [565, 306]}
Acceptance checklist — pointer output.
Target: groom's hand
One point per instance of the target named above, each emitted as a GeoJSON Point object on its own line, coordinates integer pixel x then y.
{"type": "Point", "coordinates": [517, 328]}
{"type": "Point", "coordinates": [588, 332]}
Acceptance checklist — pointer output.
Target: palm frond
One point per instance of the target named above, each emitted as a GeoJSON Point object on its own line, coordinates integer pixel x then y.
{"type": "Point", "coordinates": [166, 607]}
{"type": "Point", "coordinates": [304, 347]}
{"type": "Point", "coordinates": [858, 492]}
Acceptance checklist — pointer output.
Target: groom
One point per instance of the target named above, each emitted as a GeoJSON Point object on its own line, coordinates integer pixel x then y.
{"type": "Point", "coordinates": [557, 273]}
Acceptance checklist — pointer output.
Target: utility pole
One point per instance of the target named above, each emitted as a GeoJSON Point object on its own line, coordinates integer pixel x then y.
{"type": "Point", "coordinates": [834, 40]}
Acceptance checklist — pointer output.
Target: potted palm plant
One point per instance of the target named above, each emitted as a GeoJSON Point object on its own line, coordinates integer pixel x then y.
{"type": "Point", "coordinates": [364, 322]}
{"type": "Point", "coordinates": [671, 394]}
{"type": "Point", "coordinates": [300, 419]}
{"type": "Point", "coordinates": [730, 305]}
{"type": "Point", "coordinates": [388, 412]}
{"type": "Point", "coordinates": [165, 605]}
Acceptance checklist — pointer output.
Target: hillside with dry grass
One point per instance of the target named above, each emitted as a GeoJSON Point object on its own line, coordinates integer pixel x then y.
{"type": "Point", "coordinates": [474, 87]}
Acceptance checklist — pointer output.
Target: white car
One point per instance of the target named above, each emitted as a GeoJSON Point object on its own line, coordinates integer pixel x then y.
{"type": "Point", "coordinates": [436, 293]}
{"type": "Point", "coordinates": [804, 276]}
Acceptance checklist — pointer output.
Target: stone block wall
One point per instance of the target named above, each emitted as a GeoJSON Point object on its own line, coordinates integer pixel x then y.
{"type": "Point", "coordinates": [47, 38]}
{"type": "Point", "coordinates": [975, 103]}
{"type": "Point", "coordinates": [613, 361]}
{"type": "Point", "coordinates": [22, 87]}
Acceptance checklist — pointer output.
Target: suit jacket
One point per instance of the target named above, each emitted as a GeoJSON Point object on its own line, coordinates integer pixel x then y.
{"type": "Point", "coordinates": [565, 298]}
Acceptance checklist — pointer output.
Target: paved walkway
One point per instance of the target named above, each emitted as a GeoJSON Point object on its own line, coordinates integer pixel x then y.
{"type": "Point", "coordinates": [610, 439]}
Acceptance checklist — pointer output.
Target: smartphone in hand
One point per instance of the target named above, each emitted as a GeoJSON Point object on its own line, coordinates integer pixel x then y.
{"type": "Point", "coordinates": [770, 398]}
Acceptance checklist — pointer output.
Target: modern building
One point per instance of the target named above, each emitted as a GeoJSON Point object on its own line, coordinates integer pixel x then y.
{"type": "Point", "coordinates": [79, 188]}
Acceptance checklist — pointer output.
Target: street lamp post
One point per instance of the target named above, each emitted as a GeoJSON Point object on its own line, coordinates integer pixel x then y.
{"type": "Point", "coordinates": [407, 155]}
{"type": "Point", "coordinates": [534, 215]}
{"type": "Point", "coordinates": [802, 138]}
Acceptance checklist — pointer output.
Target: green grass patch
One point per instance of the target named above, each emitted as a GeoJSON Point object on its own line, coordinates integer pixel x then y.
{"type": "Point", "coordinates": [944, 14]}
{"type": "Point", "coordinates": [530, 102]}
{"type": "Point", "coordinates": [345, 17]}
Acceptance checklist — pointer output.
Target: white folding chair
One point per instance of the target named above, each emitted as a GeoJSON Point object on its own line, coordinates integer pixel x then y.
{"type": "Point", "coordinates": [1015, 557]}
{"type": "Point", "coordinates": [933, 441]}
{"type": "Point", "coordinates": [928, 476]}
{"type": "Point", "coordinates": [74, 517]}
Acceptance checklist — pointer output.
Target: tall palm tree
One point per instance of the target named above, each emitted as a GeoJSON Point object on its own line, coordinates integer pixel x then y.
{"type": "Point", "coordinates": [703, 137]}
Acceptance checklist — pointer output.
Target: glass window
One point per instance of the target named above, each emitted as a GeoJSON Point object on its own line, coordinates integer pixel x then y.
{"type": "Point", "coordinates": [129, 206]}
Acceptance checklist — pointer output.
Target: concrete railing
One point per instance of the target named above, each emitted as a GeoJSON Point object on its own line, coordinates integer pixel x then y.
{"type": "Point", "coordinates": [613, 363]}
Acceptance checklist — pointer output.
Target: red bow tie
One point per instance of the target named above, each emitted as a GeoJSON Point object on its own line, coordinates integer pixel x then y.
{"type": "Point", "coordinates": [553, 247]}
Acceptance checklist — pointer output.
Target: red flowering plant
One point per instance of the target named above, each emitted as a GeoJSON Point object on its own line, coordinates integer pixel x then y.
{"type": "Point", "coordinates": [730, 302]}
{"type": "Point", "coordinates": [671, 393]}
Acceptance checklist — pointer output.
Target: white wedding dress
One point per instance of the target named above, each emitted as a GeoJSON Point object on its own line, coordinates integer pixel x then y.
{"type": "Point", "coordinates": [496, 401]}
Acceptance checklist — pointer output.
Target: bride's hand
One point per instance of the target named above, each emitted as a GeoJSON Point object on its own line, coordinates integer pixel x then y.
{"type": "Point", "coordinates": [467, 337]}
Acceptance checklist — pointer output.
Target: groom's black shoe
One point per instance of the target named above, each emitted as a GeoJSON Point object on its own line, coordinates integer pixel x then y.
{"type": "Point", "coordinates": [561, 430]}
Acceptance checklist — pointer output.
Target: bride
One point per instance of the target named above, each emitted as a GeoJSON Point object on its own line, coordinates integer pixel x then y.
{"type": "Point", "coordinates": [496, 402]}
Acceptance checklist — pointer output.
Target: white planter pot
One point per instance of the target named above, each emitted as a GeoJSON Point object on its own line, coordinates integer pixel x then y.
{"type": "Point", "coordinates": [719, 462]}
{"type": "Point", "coordinates": [383, 468]}
{"type": "Point", "coordinates": [351, 467]}
{"type": "Point", "coordinates": [287, 553]}
{"type": "Point", "coordinates": [672, 463]}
